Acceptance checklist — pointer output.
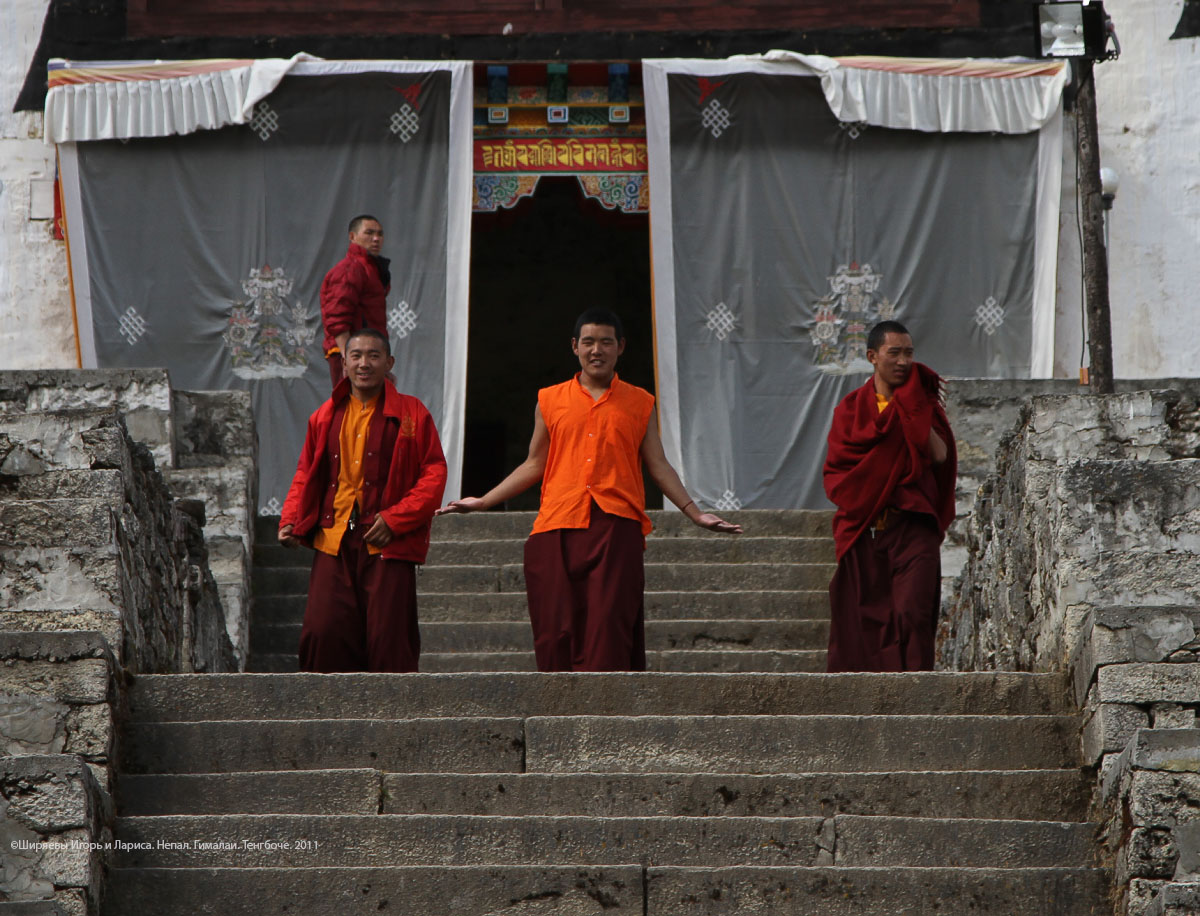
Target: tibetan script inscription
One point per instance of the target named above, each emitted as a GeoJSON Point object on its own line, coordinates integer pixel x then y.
{"type": "Point", "coordinates": [560, 155]}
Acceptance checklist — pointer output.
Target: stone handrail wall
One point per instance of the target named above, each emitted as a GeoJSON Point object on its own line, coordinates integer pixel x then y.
{"type": "Point", "coordinates": [1083, 556]}
{"type": "Point", "coordinates": [118, 499]}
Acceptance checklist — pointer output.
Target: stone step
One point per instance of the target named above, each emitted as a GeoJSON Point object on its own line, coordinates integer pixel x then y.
{"type": "Point", "coordinates": [658, 550]}
{"type": "Point", "coordinates": [667, 523]}
{"type": "Point", "coordinates": [703, 660]}
{"type": "Point", "coordinates": [661, 605]}
{"type": "Point", "coordinates": [516, 636]}
{"type": "Point", "coordinates": [305, 840]}
{"type": "Point", "coordinates": [216, 697]}
{"type": "Point", "coordinates": [588, 891]}
{"type": "Point", "coordinates": [1057, 795]}
{"type": "Point", "coordinates": [615, 744]}
{"type": "Point", "coordinates": [511, 578]}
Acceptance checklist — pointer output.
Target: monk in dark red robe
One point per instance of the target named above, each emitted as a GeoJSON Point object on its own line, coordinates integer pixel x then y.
{"type": "Point", "coordinates": [890, 470]}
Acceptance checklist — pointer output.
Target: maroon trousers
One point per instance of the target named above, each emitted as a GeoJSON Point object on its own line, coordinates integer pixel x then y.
{"type": "Point", "coordinates": [884, 598]}
{"type": "Point", "coordinates": [361, 613]}
{"type": "Point", "coordinates": [585, 587]}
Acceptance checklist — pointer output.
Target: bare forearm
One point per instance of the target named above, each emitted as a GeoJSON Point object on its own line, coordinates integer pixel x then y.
{"type": "Point", "coordinates": [523, 476]}
{"type": "Point", "coordinates": [673, 489]}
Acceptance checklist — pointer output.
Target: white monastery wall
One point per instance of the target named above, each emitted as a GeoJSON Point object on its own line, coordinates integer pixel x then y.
{"type": "Point", "coordinates": [1149, 133]}
{"type": "Point", "coordinates": [36, 329]}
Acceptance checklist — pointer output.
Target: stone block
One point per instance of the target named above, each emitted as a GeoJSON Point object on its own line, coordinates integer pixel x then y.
{"type": "Point", "coordinates": [1172, 715]}
{"type": "Point", "coordinates": [102, 484]}
{"type": "Point", "coordinates": [1139, 895]}
{"type": "Point", "coordinates": [143, 396]}
{"type": "Point", "coordinates": [90, 731]}
{"type": "Point", "coordinates": [1108, 728]}
{"type": "Point", "coordinates": [52, 441]}
{"type": "Point", "coordinates": [80, 681]}
{"type": "Point", "coordinates": [54, 820]}
{"type": "Point", "coordinates": [1119, 635]}
{"type": "Point", "coordinates": [1187, 843]}
{"type": "Point", "coordinates": [212, 427]}
{"type": "Point", "coordinates": [1158, 798]}
{"type": "Point", "coordinates": [1174, 750]}
{"type": "Point", "coordinates": [106, 623]}
{"type": "Point", "coordinates": [58, 522]}
{"type": "Point", "coordinates": [32, 725]}
{"type": "Point", "coordinates": [51, 578]}
{"type": "Point", "coordinates": [1149, 852]}
{"type": "Point", "coordinates": [50, 793]}
{"type": "Point", "coordinates": [1148, 683]}
{"type": "Point", "coordinates": [1176, 899]}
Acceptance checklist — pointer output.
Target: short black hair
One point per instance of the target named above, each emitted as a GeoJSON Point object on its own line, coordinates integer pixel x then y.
{"type": "Point", "coordinates": [599, 316]}
{"type": "Point", "coordinates": [371, 332]}
{"type": "Point", "coordinates": [880, 332]}
{"type": "Point", "coordinates": [359, 220]}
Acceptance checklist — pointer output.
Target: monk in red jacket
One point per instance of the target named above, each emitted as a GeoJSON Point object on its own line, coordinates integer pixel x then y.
{"type": "Point", "coordinates": [890, 470]}
{"type": "Point", "coordinates": [369, 479]}
{"type": "Point", "coordinates": [353, 293]}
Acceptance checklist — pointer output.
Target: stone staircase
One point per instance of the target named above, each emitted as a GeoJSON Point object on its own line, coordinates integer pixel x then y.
{"type": "Point", "coordinates": [757, 602]}
{"type": "Point", "coordinates": [730, 780]}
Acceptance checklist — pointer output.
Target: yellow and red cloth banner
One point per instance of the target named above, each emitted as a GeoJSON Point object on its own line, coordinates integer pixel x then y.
{"type": "Point", "coordinates": [561, 154]}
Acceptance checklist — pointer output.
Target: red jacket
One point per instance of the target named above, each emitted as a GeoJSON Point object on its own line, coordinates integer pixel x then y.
{"type": "Point", "coordinates": [405, 490]}
{"type": "Point", "coordinates": [353, 296]}
{"type": "Point", "coordinates": [875, 457]}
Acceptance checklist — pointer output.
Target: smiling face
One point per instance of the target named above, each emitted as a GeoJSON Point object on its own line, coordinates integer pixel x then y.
{"type": "Point", "coordinates": [893, 362]}
{"type": "Point", "coordinates": [367, 365]}
{"type": "Point", "coordinates": [368, 235]}
{"type": "Point", "coordinates": [598, 348]}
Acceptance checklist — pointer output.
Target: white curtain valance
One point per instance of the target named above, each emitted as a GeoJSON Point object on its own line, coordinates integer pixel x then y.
{"type": "Point", "coordinates": [932, 95]}
{"type": "Point", "coordinates": [120, 101]}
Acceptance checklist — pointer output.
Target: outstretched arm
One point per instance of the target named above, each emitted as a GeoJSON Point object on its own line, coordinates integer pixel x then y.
{"type": "Point", "coordinates": [524, 475]}
{"type": "Point", "coordinates": [664, 475]}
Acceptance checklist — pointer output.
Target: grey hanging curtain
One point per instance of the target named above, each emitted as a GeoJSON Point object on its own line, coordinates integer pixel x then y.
{"type": "Point", "coordinates": [205, 253]}
{"type": "Point", "coordinates": [782, 234]}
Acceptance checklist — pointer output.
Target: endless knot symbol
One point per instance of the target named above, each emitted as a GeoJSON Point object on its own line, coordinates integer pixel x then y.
{"type": "Point", "coordinates": [854, 128]}
{"type": "Point", "coordinates": [715, 118]}
{"type": "Point", "coordinates": [728, 502]}
{"type": "Point", "coordinates": [402, 320]}
{"type": "Point", "coordinates": [721, 321]}
{"type": "Point", "coordinates": [132, 325]}
{"type": "Point", "coordinates": [406, 122]}
{"type": "Point", "coordinates": [989, 316]}
{"type": "Point", "coordinates": [264, 121]}
{"type": "Point", "coordinates": [272, 507]}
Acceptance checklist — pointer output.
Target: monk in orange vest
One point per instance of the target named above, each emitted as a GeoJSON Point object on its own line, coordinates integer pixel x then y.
{"type": "Point", "coordinates": [584, 573]}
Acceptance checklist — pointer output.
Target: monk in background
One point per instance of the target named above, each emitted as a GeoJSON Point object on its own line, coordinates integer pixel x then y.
{"type": "Point", "coordinates": [890, 470]}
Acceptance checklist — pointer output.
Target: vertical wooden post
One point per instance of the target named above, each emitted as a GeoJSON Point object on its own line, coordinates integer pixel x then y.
{"type": "Point", "coordinates": [1094, 254]}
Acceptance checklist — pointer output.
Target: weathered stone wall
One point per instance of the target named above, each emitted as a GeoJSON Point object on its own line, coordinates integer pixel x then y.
{"type": "Point", "coordinates": [104, 570]}
{"type": "Point", "coordinates": [203, 443]}
{"type": "Point", "coordinates": [1091, 505]}
{"type": "Point", "coordinates": [216, 461]}
{"type": "Point", "coordinates": [55, 821]}
{"type": "Point", "coordinates": [1083, 556]}
{"type": "Point", "coordinates": [58, 693]}
{"type": "Point", "coordinates": [114, 551]}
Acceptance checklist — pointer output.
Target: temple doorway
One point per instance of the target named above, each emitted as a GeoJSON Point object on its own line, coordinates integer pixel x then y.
{"type": "Point", "coordinates": [534, 268]}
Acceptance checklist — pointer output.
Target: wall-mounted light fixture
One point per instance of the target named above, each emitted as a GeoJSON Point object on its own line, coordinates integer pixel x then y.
{"type": "Point", "coordinates": [1075, 29]}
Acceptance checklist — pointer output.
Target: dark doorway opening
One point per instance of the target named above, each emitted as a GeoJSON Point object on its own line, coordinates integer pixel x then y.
{"type": "Point", "coordinates": [534, 268]}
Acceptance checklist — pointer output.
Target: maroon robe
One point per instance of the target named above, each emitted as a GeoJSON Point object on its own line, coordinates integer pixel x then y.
{"type": "Point", "coordinates": [893, 508]}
